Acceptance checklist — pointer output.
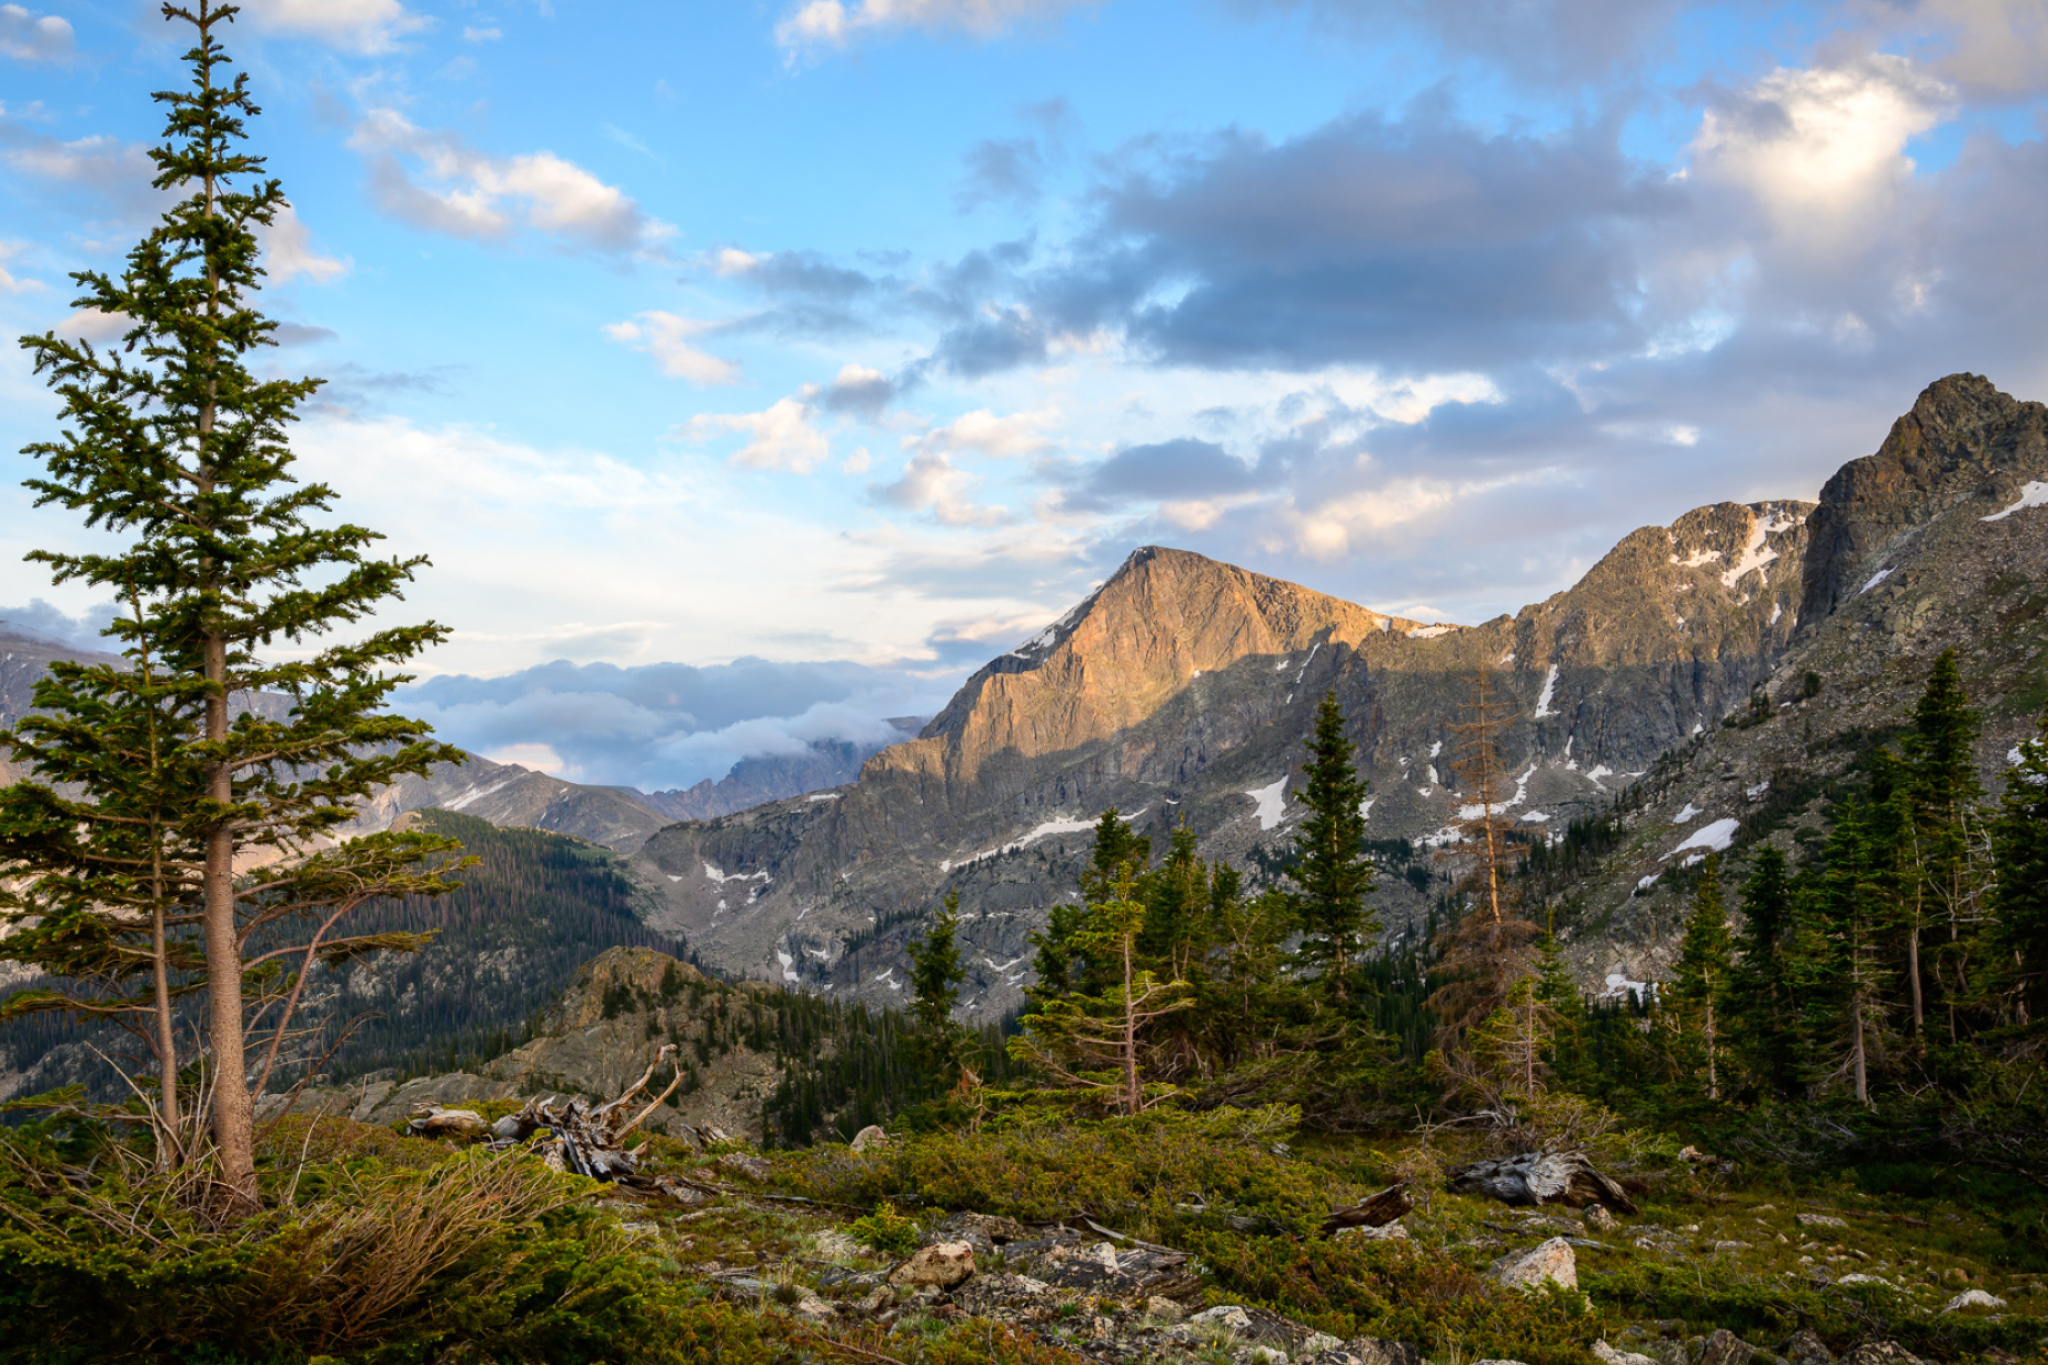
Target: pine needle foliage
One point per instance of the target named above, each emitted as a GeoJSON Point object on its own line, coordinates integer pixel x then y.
{"type": "Point", "coordinates": [237, 578]}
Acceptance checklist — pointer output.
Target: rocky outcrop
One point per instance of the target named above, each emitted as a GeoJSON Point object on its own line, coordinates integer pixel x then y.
{"type": "Point", "coordinates": [825, 763]}
{"type": "Point", "coordinates": [1963, 442]}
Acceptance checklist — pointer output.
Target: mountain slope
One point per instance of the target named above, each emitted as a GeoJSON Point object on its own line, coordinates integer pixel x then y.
{"type": "Point", "coordinates": [1937, 541]}
{"type": "Point", "coordinates": [1182, 689]}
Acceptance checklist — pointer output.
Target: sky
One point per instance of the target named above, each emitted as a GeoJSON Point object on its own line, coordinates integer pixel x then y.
{"type": "Point", "coordinates": [753, 370]}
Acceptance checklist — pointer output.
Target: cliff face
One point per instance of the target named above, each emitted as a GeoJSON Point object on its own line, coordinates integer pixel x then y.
{"type": "Point", "coordinates": [1182, 690]}
{"type": "Point", "coordinates": [1961, 436]}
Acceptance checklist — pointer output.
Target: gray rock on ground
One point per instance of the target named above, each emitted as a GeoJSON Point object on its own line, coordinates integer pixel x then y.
{"type": "Point", "coordinates": [941, 1265]}
{"type": "Point", "coordinates": [1608, 1355]}
{"type": "Point", "coordinates": [1880, 1353]}
{"type": "Point", "coordinates": [1972, 1298]}
{"type": "Point", "coordinates": [869, 1138]}
{"type": "Point", "coordinates": [1553, 1262]}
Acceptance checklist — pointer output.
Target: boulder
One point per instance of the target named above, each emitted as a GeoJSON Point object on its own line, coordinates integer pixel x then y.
{"type": "Point", "coordinates": [1161, 1309]}
{"type": "Point", "coordinates": [1379, 1351]}
{"type": "Point", "coordinates": [941, 1266]}
{"type": "Point", "coordinates": [1608, 1355]}
{"type": "Point", "coordinates": [1880, 1353]}
{"type": "Point", "coordinates": [1723, 1347]}
{"type": "Point", "coordinates": [741, 1164]}
{"type": "Point", "coordinates": [1972, 1298]}
{"type": "Point", "coordinates": [870, 1137]}
{"type": "Point", "coordinates": [1818, 1220]}
{"type": "Point", "coordinates": [1551, 1263]}
{"type": "Point", "coordinates": [1598, 1219]}
{"type": "Point", "coordinates": [1804, 1347]}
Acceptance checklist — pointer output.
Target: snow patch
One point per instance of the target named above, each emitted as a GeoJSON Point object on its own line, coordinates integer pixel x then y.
{"type": "Point", "coordinates": [1619, 985]}
{"type": "Point", "coordinates": [1777, 610]}
{"type": "Point", "coordinates": [1044, 831]}
{"type": "Point", "coordinates": [674, 878]}
{"type": "Point", "coordinates": [1880, 576]}
{"type": "Point", "coordinates": [788, 965]}
{"type": "Point", "coordinates": [1645, 883]}
{"type": "Point", "coordinates": [1758, 790]}
{"type": "Point", "coordinates": [822, 796]}
{"type": "Point", "coordinates": [1000, 966]}
{"type": "Point", "coordinates": [479, 793]}
{"type": "Point", "coordinates": [1714, 838]}
{"type": "Point", "coordinates": [1549, 689]}
{"type": "Point", "coordinates": [712, 873]}
{"type": "Point", "coordinates": [1433, 778]}
{"type": "Point", "coordinates": [1756, 554]}
{"type": "Point", "coordinates": [2033, 495]}
{"type": "Point", "coordinates": [1688, 813]}
{"type": "Point", "coordinates": [1306, 662]}
{"type": "Point", "coordinates": [1436, 748]}
{"type": "Point", "coordinates": [1536, 817]}
{"type": "Point", "coordinates": [1365, 808]}
{"type": "Point", "coordinates": [1429, 632]}
{"type": "Point", "coordinates": [1272, 801]}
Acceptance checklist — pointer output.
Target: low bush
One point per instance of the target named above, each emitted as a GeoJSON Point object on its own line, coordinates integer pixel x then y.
{"type": "Point", "coordinates": [478, 1257]}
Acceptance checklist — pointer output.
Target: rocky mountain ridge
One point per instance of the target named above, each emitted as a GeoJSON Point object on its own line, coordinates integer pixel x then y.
{"type": "Point", "coordinates": [1182, 689]}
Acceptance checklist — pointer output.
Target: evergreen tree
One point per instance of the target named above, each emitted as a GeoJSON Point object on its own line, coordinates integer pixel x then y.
{"type": "Point", "coordinates": [1701, 984]}
{"type": "Point", "coordinates": [935, 977]}
{"type": "Point", "coordinates": [1941, 780]}
{"type": "Point", "coordinates": [1331, 870]}
{"type": "Point", "coordinates": [2020, 900]}
{"type": "Point", "coordinates": [1762, 1001]}
{"type": "Point", "coordinates": [1558, 993]}
{"type": "Point", "coordinates": [1097, 1042]}
{"type": "Point", "coordinates": [1177, 908]}
{"type": "Point", "coordinates": [171, 440]}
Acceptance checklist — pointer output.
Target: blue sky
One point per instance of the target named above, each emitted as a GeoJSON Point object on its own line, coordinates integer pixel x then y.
{"type": "Point", "coordinates": [859, 337]}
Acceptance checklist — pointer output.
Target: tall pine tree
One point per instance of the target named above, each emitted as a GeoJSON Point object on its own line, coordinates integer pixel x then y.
{"type": "Point", "coordinates": [1331, 871]}
{"type": "Point", "coordinates": [237, 574]}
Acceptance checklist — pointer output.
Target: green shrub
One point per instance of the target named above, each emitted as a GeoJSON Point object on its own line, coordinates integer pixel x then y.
{"type": "Point", "coordinates": [477, 1258]}
{"type": "Point", "coordinates": [886, 1231]}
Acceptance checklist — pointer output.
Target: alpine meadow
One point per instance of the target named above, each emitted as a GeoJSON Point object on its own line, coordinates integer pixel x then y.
{"type": "Point", "coordinates": [1655, 973]}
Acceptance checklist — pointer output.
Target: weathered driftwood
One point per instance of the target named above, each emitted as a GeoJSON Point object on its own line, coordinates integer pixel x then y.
{"type": "Point", "coordinates": [589, 1141]}
{"type": "Point", "coordinates": [432, 1121]}
{"type": "Point", "coordinates": [1373, 1211]}
{"type": "Point", "coordinates": [1542, 1178]}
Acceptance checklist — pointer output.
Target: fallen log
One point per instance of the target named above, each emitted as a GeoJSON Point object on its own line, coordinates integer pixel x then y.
{"type": "Point", "coordinates": [1373, 1211]}
{"type": "Point", "coordinates": [1542, 1177]}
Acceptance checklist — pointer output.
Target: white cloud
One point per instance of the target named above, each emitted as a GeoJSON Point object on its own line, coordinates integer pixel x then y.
{"type": "Point", "coordinates": [9, 283]}
{"type": "Point", "coordinates": [1358, 520]}
{"type": "Point", "coordinates": [482, 35]}
{"type": "Point", "coordinates": [666, 337]}
{"type": "Point", "coordinates": [288, 251]}
{"type": "Point", "coordinates": [540, 757]}
{"type": "Point", "coordinates": [32, 38]}
{"type": "Point", "coordinates": [859, 462]}
{"type": "Point", "coordinates": [1822, 151]}
{"type": "Point", "coordinates": [931, 482]}
{"type": "Point", "coordinates": [982, 432]}
{"type": "Point", "coordinates": [360, 25]}
{"type": "Point", "coordinates": [831, 23]}
{"type": "Point", "coordinates": [469, 194]}
{"type": "Point", "coordinates": [90, 324]}
{"type": "Point", "coordinates": [781, 437]}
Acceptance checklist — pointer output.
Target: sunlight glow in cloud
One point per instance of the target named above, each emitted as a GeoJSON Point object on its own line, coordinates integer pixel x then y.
{"type": "Point", "coordinates": [472, 195]}
{"type": "Point", "coordinates": [831, 23]}
{"type": "Point", "coordinates": [781, 437]}
{"type": "Point", "coordinates": [666, 337]}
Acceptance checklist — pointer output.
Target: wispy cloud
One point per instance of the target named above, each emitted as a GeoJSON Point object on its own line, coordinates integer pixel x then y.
{"type": "Point", "coordinates": [454, 189]}
{"type": "Point", "coordinates": [30, 37]}
{"type": "Point", "coordinates": [821, 24]}
{"type": "Point", "coordinates": [667, 337]}
{"type": "Point", "coordinates": [368, 26]}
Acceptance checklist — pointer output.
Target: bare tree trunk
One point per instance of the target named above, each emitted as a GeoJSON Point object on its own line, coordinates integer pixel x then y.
{"type": "Point", "coordinates": [1862, 1076]}
{"type": "Point", "coordinates": [1913, 968]}
{"type": "Point", "coordinates": [1713, 1074]}
{"type": "Point", "coordinates": [1133, 1099]}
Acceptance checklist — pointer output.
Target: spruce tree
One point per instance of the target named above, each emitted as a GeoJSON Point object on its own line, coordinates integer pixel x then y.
{"type": "Point", "coordinates": [935, 977]}
{"type": "Point", "coordinates": [237, 574]}
{"type": "Point", "coordinates": [2020, 900]}
{"type": "Point", "coordinates": [1331, 870]}
{"type": "Point", "coordinates": [1700, 987]}
{"type": "Point", "coordinates": [1762, 1001]}
{"type": "Point", "coordinates": [1940, 762]}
